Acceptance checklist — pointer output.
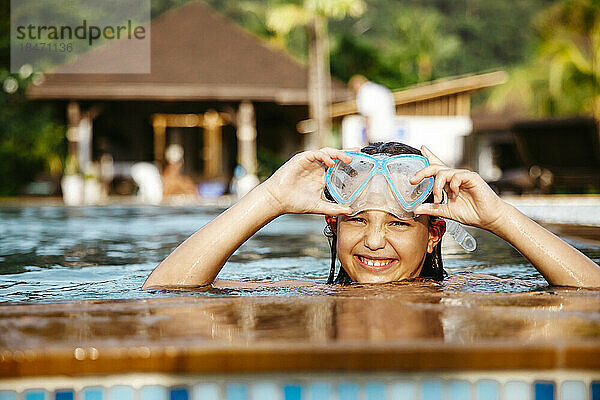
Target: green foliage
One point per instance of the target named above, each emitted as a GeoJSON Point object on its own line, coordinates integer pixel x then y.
{"type": "Point", "coordinates": [493, 33]}
{"type": "Point", "coordinates": [31, 140]}
{"type": "Point", "coordinates": [352, 55]}
{"type": "Point", "coordinates": [410, 41]}
{"type": "Point", "coordinates": [421, 43]}
{"type": "Point", "coordinates": [268, 162]}
{"type": "Point", "coordinates": [569, 45]}
{"type": "Point", "coordinates": [562, 77]}
{"type": "Point", "coordinates": [396, 42]}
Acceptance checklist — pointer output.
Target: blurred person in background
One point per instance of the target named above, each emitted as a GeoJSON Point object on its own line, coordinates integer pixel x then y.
{"type": "Point", "coordinates": [375, 103]}
{"type": "Point", "coordinates": [174, 182]}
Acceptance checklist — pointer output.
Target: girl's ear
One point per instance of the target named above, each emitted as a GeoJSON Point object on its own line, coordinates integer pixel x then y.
{"type": "Point", "coordinates": [437, 228]}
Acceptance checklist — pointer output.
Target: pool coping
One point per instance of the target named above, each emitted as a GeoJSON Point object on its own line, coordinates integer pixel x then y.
{"type": "Point", "coordinates": [296, 357]}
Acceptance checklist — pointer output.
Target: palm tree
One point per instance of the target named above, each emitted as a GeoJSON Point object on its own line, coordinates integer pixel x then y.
{"type": "Point", "coordinates": [563, 76]}
{"type": "Point", "coordinates": [314, 14]}
{"type": "Point", "coordinates": [570, 33]}
{"type": "Point", "coordinates": [421, 42]}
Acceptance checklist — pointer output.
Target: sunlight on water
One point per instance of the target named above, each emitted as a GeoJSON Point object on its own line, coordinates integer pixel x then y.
{"type": "Point", "coordinates": [58, 253]}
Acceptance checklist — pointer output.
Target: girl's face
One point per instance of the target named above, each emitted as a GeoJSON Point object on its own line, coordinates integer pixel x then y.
{"type": "Point", "coordinates": [376, 247]}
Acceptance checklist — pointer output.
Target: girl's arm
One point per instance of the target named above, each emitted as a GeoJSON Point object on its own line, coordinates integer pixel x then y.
{"type": "Point", "coordinates": [471, 201]}
{"type": "Point", "coordinates": [559, 262]}
{"type": "Point", "coordinates": [296, 187]}
{"type": "Point", "coordinates": [198, 260]}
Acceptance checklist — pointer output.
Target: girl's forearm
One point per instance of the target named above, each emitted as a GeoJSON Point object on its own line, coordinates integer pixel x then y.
{"type": "Point", "coordinates": [559, 262]}
{"type": "Point", "coordinates": [198, 260]}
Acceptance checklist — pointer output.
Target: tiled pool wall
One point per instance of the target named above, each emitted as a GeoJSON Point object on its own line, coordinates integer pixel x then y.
{"type": "Point", "coordinates": [517, 385]}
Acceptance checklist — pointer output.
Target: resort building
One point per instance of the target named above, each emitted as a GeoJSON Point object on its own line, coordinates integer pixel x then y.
{"type": "Point", "coordinates": [214, 89]}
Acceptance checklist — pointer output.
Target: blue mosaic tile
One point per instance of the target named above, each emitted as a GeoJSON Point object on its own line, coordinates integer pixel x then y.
{"type": "Point", "coordinates": [8, 395]}
{"type": "Point", "coordinates": [544, 390]}
{"type": "Point", "coordinates": [348, 391]}
{"type": "Point", "coordinates": [404, 390]}
{"type": "Point", "coordinates": [121, 393]}
{"type": "Point", "coordinates": [459, 390]}
{"type": "Point", "coordinates": [264, 391]}
{"type": "Point", "coordinates": [319, 391]}
{"type": "Point", "coordinates": [487, 390]}
{"type": "Point", "coordinates": [595, 390]}
{"type": "Point", "coordinates": [93, 394]}
{"type": "Point", "coordinates": [517, 390]}
{"type": "Point", "coordinates": [35, 395]}
{"type": "Point", "coordinates": [431, 390]}
{"type": "Point", "coordinates": [63, 395]}
{"type": "Point", "coordinates": [179, 394]}
{"type": "Point", "coordinates": [154, 392]}
{"type": "Point", "coordinates": [572, 390]}
{"type": "Point", "coordinates": [292, 392]}
{"type": "Point", "coordinates": [206, 391]}
{"type": "Point", "coordinates": [375, 391]}
{"type": "Point", "coordinates": [236, 391]}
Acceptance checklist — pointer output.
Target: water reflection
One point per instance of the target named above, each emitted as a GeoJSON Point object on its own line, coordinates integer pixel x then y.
{"type": "Point", "coordinates": [352, 315]}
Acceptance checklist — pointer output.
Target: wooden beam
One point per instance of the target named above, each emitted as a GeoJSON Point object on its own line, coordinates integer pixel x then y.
{"type": "Point", "coordinates": [165, 92]}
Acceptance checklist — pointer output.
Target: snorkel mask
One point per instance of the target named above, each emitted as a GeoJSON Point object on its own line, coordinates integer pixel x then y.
{"type": "Point", "coordinates": [379, 182]}
{"type": "Point", "coordinates": [382, 182]}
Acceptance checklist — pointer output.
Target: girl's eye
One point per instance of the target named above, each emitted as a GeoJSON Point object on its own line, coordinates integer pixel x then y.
{"type": "Point", "coordinates": [356, 219]}
{"type": "Point", "coordinates": [399, 223]}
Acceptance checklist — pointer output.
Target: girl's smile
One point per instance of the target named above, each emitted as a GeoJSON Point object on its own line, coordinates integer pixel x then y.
{"type": "Point", "coordinates": [374, 263]}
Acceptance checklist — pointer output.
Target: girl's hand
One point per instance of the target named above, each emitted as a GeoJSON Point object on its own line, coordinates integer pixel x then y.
{"type": "Point", "coordinates": [470, 200]}
{"type": "Point", "coordinates": [297, 186]}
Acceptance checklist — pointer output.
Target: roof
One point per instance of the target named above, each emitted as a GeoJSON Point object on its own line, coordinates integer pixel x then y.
{"type": "Point", "coordinates": [196, 54]}
{"type": "Point", "coordinates": [431, 90]}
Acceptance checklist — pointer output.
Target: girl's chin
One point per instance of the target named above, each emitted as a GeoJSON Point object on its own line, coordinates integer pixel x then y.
{"type": "Point", "coordinates": [369, 278]}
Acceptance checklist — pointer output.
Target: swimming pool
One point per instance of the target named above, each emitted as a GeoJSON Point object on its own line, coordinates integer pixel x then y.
{"type": "Point", "coordinates": [60, 253]}
{"type": "Point", "coordinates": [74, 324]}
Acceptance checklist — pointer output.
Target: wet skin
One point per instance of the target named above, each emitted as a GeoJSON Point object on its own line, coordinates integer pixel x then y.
{"type": "Point", "coordinates": [376, 247]}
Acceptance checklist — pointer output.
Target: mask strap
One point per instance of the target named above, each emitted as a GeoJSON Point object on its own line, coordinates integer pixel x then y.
{"type": "Point", "coordinates": [332, 223]}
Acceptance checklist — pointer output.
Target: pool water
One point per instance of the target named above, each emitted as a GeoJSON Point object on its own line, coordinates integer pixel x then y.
{"type": "Point", "coordinates": [55, 253]}
{"type": "Point", "coordinates": [74, 323]}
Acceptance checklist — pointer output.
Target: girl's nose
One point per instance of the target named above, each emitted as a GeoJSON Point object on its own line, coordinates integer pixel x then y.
{"type": "Point", "coordinates": [374, 237]}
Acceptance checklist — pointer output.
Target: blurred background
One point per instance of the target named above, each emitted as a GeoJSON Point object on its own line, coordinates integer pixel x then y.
{"type": "Point", "coordinates": [509, 89]}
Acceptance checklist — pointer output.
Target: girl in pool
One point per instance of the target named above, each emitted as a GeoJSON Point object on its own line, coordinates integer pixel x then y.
{"type": "Point", "coordinates": [369, 201]}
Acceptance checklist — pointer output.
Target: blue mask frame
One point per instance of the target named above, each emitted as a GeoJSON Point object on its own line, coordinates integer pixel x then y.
{"type": "Point", "coordinates": [380, 163]}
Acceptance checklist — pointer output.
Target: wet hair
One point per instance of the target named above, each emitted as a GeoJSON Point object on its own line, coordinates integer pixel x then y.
{"type": "Point", "coordinates": [433, 267]}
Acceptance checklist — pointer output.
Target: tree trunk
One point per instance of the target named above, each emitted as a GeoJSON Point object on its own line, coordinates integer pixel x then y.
{"type": "Point", "coordinates": [319, 82]}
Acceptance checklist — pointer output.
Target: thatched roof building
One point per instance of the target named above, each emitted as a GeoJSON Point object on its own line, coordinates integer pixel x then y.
{"type": "Point", "coordinates": [200, 61]}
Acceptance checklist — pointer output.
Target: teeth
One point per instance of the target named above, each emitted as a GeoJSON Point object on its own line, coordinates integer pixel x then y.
{"type": "Point", "coordinates": [375, 263]}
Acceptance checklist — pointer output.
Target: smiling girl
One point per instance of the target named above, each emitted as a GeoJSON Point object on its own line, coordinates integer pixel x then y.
{"type": "Point", "coordinates": [384, 224]}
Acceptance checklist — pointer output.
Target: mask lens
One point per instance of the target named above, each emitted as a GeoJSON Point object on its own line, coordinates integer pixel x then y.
{"type": "Point", "coordinates": [346, 179]}
{"type": "Point", "coordinates": [401, 170]}
{"type": "Point", "coordinates": [378, 195]}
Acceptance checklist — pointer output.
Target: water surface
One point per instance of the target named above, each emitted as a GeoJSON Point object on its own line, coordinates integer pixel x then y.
{"type": "Point", "coordinates": [58, 253]}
